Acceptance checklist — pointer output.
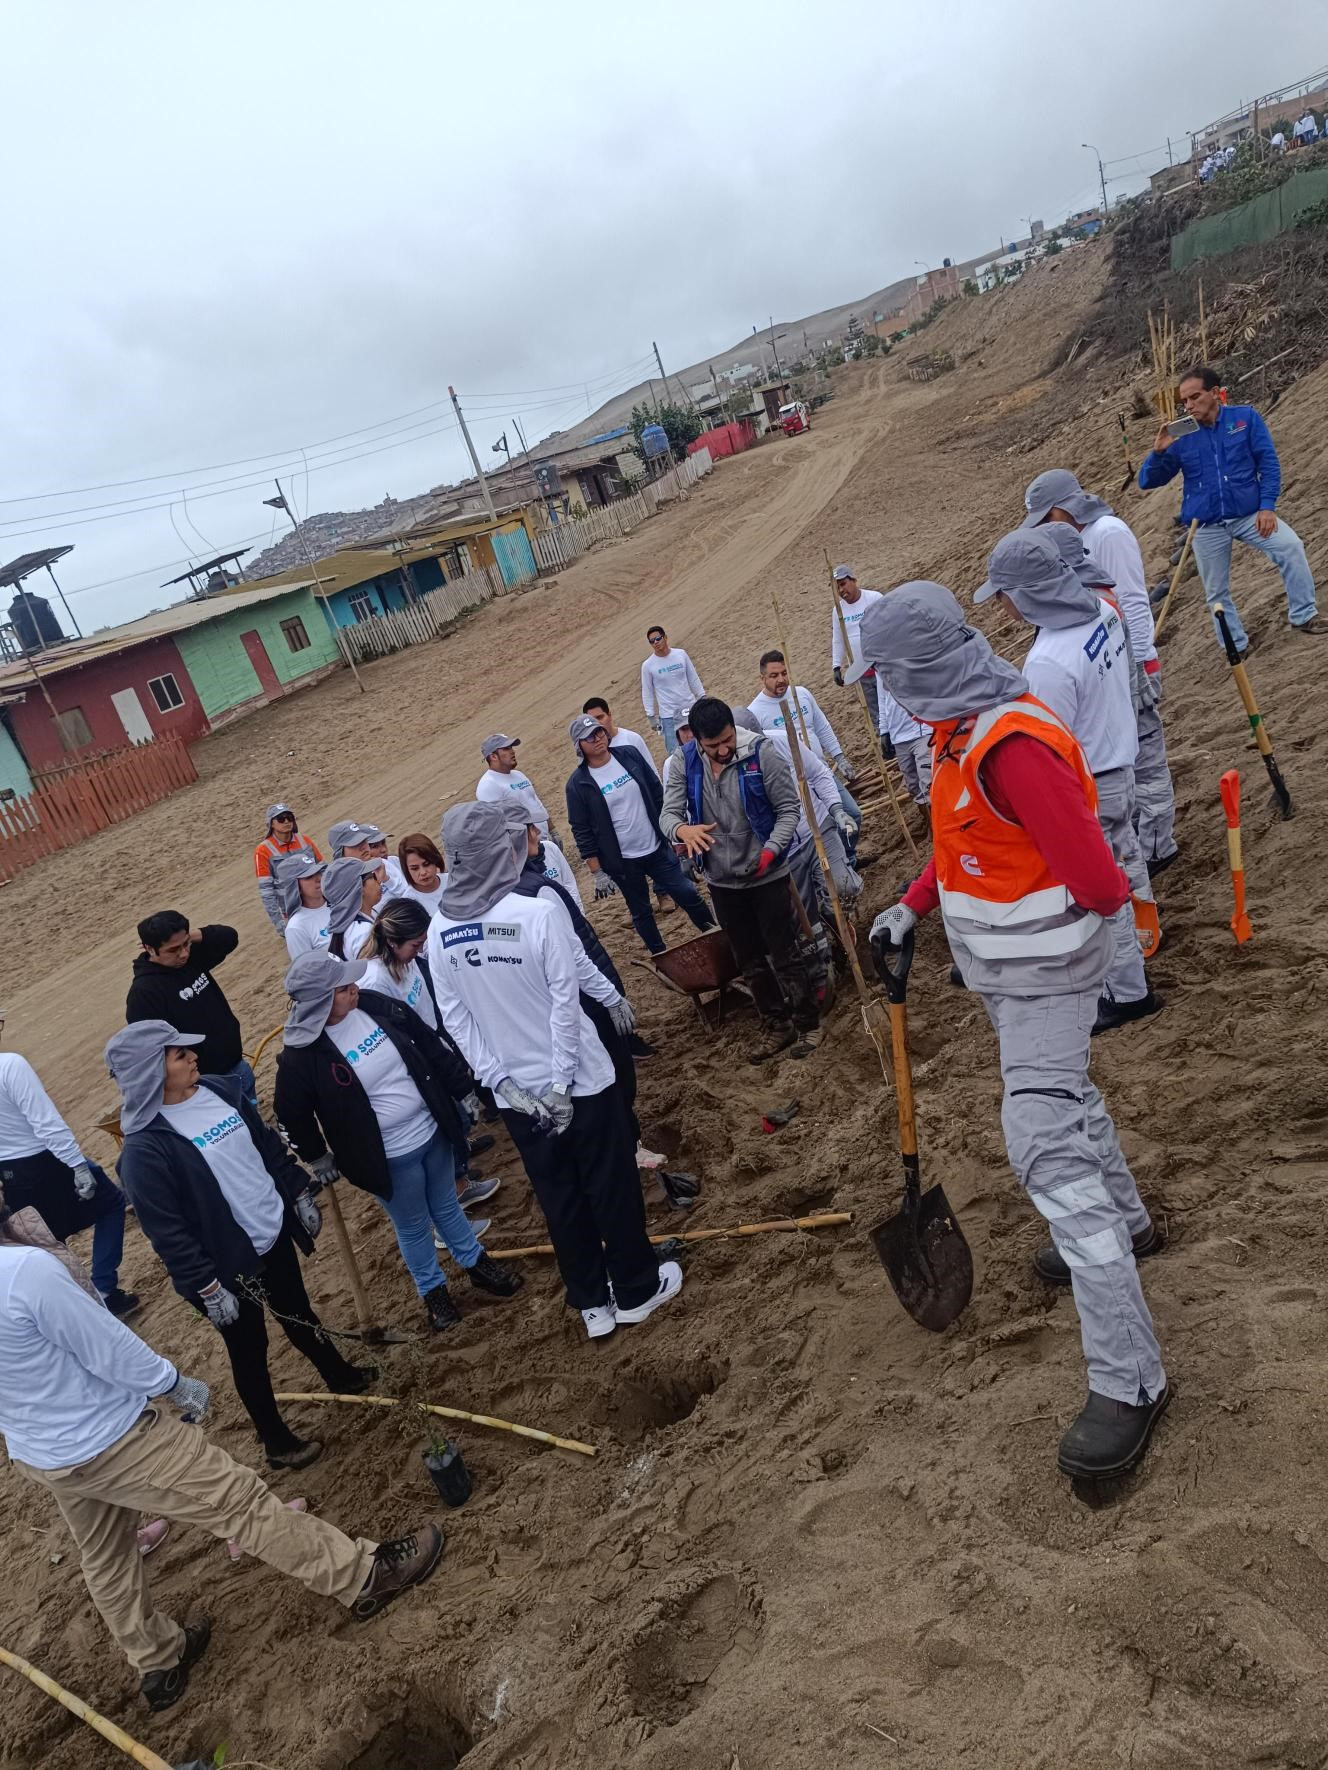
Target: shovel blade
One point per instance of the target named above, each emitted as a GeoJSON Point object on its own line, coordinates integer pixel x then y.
{"type": "Point", "coordinates": [1242, 928]}
{"type": "Point", "coordinates": [927, 1261]}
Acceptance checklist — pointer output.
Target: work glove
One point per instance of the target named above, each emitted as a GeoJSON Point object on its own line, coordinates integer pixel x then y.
{"type": "Point", "coordinates": [892, 925]}
{"type": "Point", "coordinates": [324, 1168]}
{"type": "Point", "coordinates": [765, 863]}
{"type": "Point", "coordinates": [85, 1184]}
{"type": "Point", "coordinates": [191, 1398]}
{"type": "Point", "coordinates": [309, 1214]}
{"type": "Point", "coordinates": [222, 1308]}
{"type": "Point", "coordinates": [471, 1108]}
{"type": "Point", "coordinates": [847, 769]}
{"type": "Point", "coordinates": [1147, 689]}
{"type": "Point", "coordinates": [620, 1013]}
{"type": "Point", "coordinates": [604, 886]}
{"type": "Point", "coordinates": [839, 677]}
{"type": "Point", "coordinates": [558, 1104]}
{"type": "Point", "coordinates": [522, 1100]}
{"type": "Point", "coordinates": [655, 724]}
{"type": "Point", "coordinates": [843, 823]}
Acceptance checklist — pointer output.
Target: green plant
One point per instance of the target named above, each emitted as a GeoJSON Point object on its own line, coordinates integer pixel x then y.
{"type": "Point", "coordinates": [969, 286]}
{"type": "Point", "coordinates": [679, 423]}
{"type": "Point", "coordinates": [1052, 248]}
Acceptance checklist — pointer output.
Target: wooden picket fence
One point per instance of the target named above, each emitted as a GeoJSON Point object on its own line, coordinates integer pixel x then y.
{"type": "Point", "coordinates": [560, 544]}
{"type": "Point", "coordinates": [422, 619]}
{"type": "Point", "coordinates": [76, 800]}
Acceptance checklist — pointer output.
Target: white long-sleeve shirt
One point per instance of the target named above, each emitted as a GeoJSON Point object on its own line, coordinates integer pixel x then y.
{"type": "Point", "coordinates": [557, 869]}
{"type": "Point", "coordinates": [669, 684]}
{"type": "Point", "coordinates": [73, 1379]}
{"type": "Point", "coordinates": [498, 788]}
{"type": "Point", "coordinates": [820, 734]}
{"type": "Point", "coordinates": [590, 979]}
{"type": "Point", "coordinates": [891, 719]}
{"type": "Point", "coordinates": [508, 993]}
{"type": "Point", "coordinates": [1112, 544]}
{"type": "Point", "coordinates": [820, 783]}
{"type": "Point", "coordinates": [29, 1122]}
{"type": "Point", "coordinates": [853, 613]}
{"type": "Point", "coordinates": [1083, 674]}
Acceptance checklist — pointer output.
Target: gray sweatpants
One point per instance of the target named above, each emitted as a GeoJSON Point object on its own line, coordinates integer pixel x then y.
{"type": "Point", "coordinates": [1154, 796]}
{"type": "Point", "coordinates": [915, 766]}
{"type": "Point", "coordinates": [1064, 1149]}
{"type": "Point", "coordinates": [1125, 980]}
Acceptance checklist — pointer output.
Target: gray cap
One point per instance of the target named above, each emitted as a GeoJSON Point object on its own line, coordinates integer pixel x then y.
{"type": "Point", "coordinates": [844, 571]}
{"type": "Point", "coordinates": [583, 726]}
{"type": "Point", "coordinates": [1058, 489]}
{"type": "Point", "coordinates": [135, 1057]}
{"type": "Point", "coordinates": [311, 982]}
{"type": "Point", "coordinates": [499, 741]}
{"type": "Point", "coordinates": [278, 810]}
{"type": "Point", "coordinates": [287, 871]}
{"type": "Point", "coordinates": [745, 720]}
{"type": "Point", "coordinates": [349, 833]}
{"type": "Point", "coordinates": [1029, 567]}
{"type": "Point", "coordinates": [1070, 544]}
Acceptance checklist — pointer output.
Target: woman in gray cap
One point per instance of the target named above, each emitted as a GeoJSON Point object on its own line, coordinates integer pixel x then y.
{"type": "Point", "coordinates": [299, 885]}
{"type": "Point", "coordinates": [365, 1089]}
{"type": "Point", "coordinates": [1027, 886]}
{"type": "Point", "coordinates": [283, 838]}
{"type": "Point", "coordinates": [353, 890]}
{"type": "Point", "coordinates": [225, 1205]}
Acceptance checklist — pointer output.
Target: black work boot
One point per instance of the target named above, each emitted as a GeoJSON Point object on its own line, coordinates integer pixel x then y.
{"type": "Point", "coordinates": [491, 1276]}
{"type": "Point", "coordinates": [775, 1037]}
{"type": "Point", "coordinates": [1109, 1437]}
{"type": "Point", "coordinates": [1049, 1266]}
{"type": "Point", "coordinates": [1112, 1014]}
{"type": "Point", "coordinates": [406, 1561]}
{"type": "Point", "coordinates": [162, 1690]}
{"type": "Point", "coordinates": [303, 1452]}
{"type": "Point", "coordinates": [359, 1379]}
{"type": "Point", "coordinates": [443, 1312]}
{"type": "Point", "coordinates": [122, 1303]}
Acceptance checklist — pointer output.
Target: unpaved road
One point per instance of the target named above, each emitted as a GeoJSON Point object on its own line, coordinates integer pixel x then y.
{"type": "Point", "coordinates": [812, 1533]}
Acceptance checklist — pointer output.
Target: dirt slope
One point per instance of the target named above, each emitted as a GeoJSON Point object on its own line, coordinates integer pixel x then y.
{"type": "Point", "coordinates": [812, 1532]}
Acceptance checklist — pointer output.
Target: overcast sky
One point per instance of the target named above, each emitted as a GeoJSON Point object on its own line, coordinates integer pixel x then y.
{"type": "Point", "coordinates": [238, 230]}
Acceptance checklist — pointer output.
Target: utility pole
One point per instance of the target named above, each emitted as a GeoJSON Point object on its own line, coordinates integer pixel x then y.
{"type": "Point", "coordinates": [1102, 176]}
{"type": "Point", "coordinates": [475, 460]}
{"type": "Point", "coordinates": [521, 436]}
{"type": "Point", "coordinates": [664, 378]}
{"type": "Point", "coordinates": [280, 503]}
{"type": "Point", "coordinates": [774, 351]}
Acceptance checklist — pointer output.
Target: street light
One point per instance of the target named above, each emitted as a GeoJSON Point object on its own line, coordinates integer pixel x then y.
{"type": "Point", "coordinates": [1101, 176]}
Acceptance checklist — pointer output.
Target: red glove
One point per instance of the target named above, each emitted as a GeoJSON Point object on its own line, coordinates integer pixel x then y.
{"type": "Point", "coordinates": [765, 863]}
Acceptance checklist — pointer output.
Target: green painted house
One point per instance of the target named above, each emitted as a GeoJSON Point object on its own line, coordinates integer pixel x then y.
{"type": "Point", "coordinates": [257, 649]}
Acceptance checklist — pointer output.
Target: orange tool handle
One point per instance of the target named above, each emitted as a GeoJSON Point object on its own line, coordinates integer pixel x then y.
{"type": "Point", "coordinates": [1230, 788]}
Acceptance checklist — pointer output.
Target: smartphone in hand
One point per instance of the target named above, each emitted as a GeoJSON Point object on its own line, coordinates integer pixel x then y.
{"type": "Point", "coordinates": [1181, 427]}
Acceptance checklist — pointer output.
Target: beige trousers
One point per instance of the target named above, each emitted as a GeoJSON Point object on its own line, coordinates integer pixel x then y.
{"type": "Point", "coordinates": [168, 1469]}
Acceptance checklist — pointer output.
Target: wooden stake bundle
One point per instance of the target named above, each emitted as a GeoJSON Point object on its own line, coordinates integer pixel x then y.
{"type": "Point", "coordinates": [820, 1220]}
{"type": "Point", "coordinates": [1162, 337]}
{"type": "Point", "coordinates": [449, 1413]}
{"type": "Point", "coordinates": [76, 1706]}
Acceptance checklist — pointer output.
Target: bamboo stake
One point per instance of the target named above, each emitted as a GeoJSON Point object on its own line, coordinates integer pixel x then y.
{"type": "Point", "coordinates": [1175, 579]}
{"type": "Point", "coordinates": [819, 1220]}
{"type": "Point", "coordinates": [793, 681]}
{"type": "Point", "coordinates": [362, 1310]}
{"type": "Point", "coordinates": [450, 1413]}
{"type": "Point", "coordinates": [76, 1706]}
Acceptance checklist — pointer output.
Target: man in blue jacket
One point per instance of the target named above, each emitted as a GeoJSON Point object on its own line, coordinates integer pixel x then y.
{"type": "Point", "coordinates": [613, 804]}
{"type": "Point", "coordinates": [1232, 481]}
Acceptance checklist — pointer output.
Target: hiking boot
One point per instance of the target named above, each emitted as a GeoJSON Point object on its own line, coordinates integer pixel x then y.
{"type": "Point", "coordinates": [774, 1039]}
{"type": "Point", "coordinates": [359, 1380]}
{"type": "Point", "coordinates": [121, 1303]}
{"type": "Point", "coordinates": [641, 1049]}
{"type": "Point", "coordinates": [670, 1283]}
{"type": "Point", "coordinates": [1108, 1437]}
{"type": "Point", "coordinates": [600, 1321]}
{"type": "Point", "coordinates": [1112, 1014]}
{"type": "Point", "coordinates": [478, 1145]}
{"type": "Point", "coordinates": [475, 1191]}
{"type": "Point", "coordinates": [302, 1453]}
{"type": "Point", "coordinates": [1316, 627]}
{"type": "Point", "coordinates": [162, 1690]}
{"type": "Point", "coordinates": [489, 1275]}
{"type": "Point", "coordinates": [808, 1040]}
{"type": "Point", "coordinates": [1049, 1266]}
{"type": "Point", "coordinates": [405, 1561]}
{"type": "Point", "coordinates": [1160, 862]}
{"type": "Point", "coordinates": [443, 1312]}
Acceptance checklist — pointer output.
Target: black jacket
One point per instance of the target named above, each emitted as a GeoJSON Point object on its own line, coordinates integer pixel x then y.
{"type": "Point", "coordinates": [588, 814]}
{"type": "Point", "coordinates": [533, 880]}
{"type": "Point", "coordinates": [321, 1103]}
{"type": "Point", "coordinates": [191, 999]}
{"type": "Point", "coordinates": [183, 1211]}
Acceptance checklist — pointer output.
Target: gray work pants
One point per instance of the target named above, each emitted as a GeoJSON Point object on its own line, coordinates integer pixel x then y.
{"type": "Point", "coordinates": [914, 761]}
{"type": "Point", "coordinates": [1064, 1149]}
{"type": "Point", "coordinates": [1154, 796]}
{"type": "Point", "coordinates": [1125, 980]}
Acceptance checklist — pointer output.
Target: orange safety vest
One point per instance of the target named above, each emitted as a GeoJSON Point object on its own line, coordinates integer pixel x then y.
{"type": "Point", "coordinates": [995, 887]}
{"type": "Point", "coordinates": [269, 849]}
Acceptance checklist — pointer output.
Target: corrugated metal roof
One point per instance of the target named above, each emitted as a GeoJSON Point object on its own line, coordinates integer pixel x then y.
{"type": "Point", "coordinates": [158, 625]}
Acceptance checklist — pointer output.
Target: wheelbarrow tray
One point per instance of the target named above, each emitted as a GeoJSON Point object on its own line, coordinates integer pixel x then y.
{"type": "Point", "coordinates": [705, 962]}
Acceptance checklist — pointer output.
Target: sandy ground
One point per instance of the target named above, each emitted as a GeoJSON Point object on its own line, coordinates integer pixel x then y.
{"type": "Point", "coordinates": [812, 1531]}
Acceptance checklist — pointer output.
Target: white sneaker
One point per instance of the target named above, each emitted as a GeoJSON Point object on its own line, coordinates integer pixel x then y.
{"type": "Point", "coordinates": [670, 1283]}
{"type": "Point", "coordinates": [601, 1321]}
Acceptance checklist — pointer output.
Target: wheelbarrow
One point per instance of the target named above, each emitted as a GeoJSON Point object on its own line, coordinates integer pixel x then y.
{"type": "Point", "coordinates": [693, 967]}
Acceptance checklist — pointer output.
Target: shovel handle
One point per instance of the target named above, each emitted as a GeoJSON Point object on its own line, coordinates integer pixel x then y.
{"type": "Point", "coordinates": [1229, 786]}
{"type": "Point", "coordinates": [893, 964]}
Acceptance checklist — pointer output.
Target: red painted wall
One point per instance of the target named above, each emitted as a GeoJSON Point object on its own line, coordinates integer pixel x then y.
{"type": "Point", "coordinates": [725, 439]}
{"type": "Point", "coordinates": [90, 686]}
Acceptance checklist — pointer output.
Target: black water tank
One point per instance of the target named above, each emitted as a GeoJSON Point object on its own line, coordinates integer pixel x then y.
{"type": "Point", "coordinates": [34, 621]}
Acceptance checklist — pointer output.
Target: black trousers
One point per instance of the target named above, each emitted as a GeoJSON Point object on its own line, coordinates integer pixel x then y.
{"type": "Point", "coordinates": [281, 1283]}
{"type": "Point", "coordinates": [663, 869]}
{"type": "Point", "coordinates": [765, 933]}
{"type": "Point", "coordinates": [590, 1193]}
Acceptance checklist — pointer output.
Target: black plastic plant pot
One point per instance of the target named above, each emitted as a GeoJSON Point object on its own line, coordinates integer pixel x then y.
{"type": "Point", "coordinates": [448, 1473]}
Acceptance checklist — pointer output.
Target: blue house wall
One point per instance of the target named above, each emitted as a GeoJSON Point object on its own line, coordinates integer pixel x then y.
{"type": "Point", "coordinates": [383, 594]}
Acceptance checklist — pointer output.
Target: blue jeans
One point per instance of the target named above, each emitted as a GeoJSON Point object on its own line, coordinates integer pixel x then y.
{"type": "Point", "coordinates": [424, 1199]}
{"type": "Point", "coordinates": [243, 1071]}
{"type": "Point", "coordinates": [107, 1231]}
{"type": "Point", "coordinates": [668, 731]}
{"type": "Point", "coordinates": [663, 869]}
{"type": "Point", "coordinates": [1212, 554]}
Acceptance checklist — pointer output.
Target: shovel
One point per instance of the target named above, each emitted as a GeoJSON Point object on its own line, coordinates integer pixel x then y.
{"type": "Point", "coordinates": [1230, 785]}
{"type": "Point", "coordinates": [922, 1247]}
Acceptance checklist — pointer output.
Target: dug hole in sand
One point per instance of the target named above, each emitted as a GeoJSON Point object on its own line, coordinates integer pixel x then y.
{"type": "Point", "coordinates": [813, 1533]}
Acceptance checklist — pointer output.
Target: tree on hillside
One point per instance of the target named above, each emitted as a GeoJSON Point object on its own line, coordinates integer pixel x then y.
{"type": "Point", "coordinates": [1052, 247]}
{"type": "Point", "coordinates": [969, 286]}
{"type": "Point", "coordinates": [680, 424]}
